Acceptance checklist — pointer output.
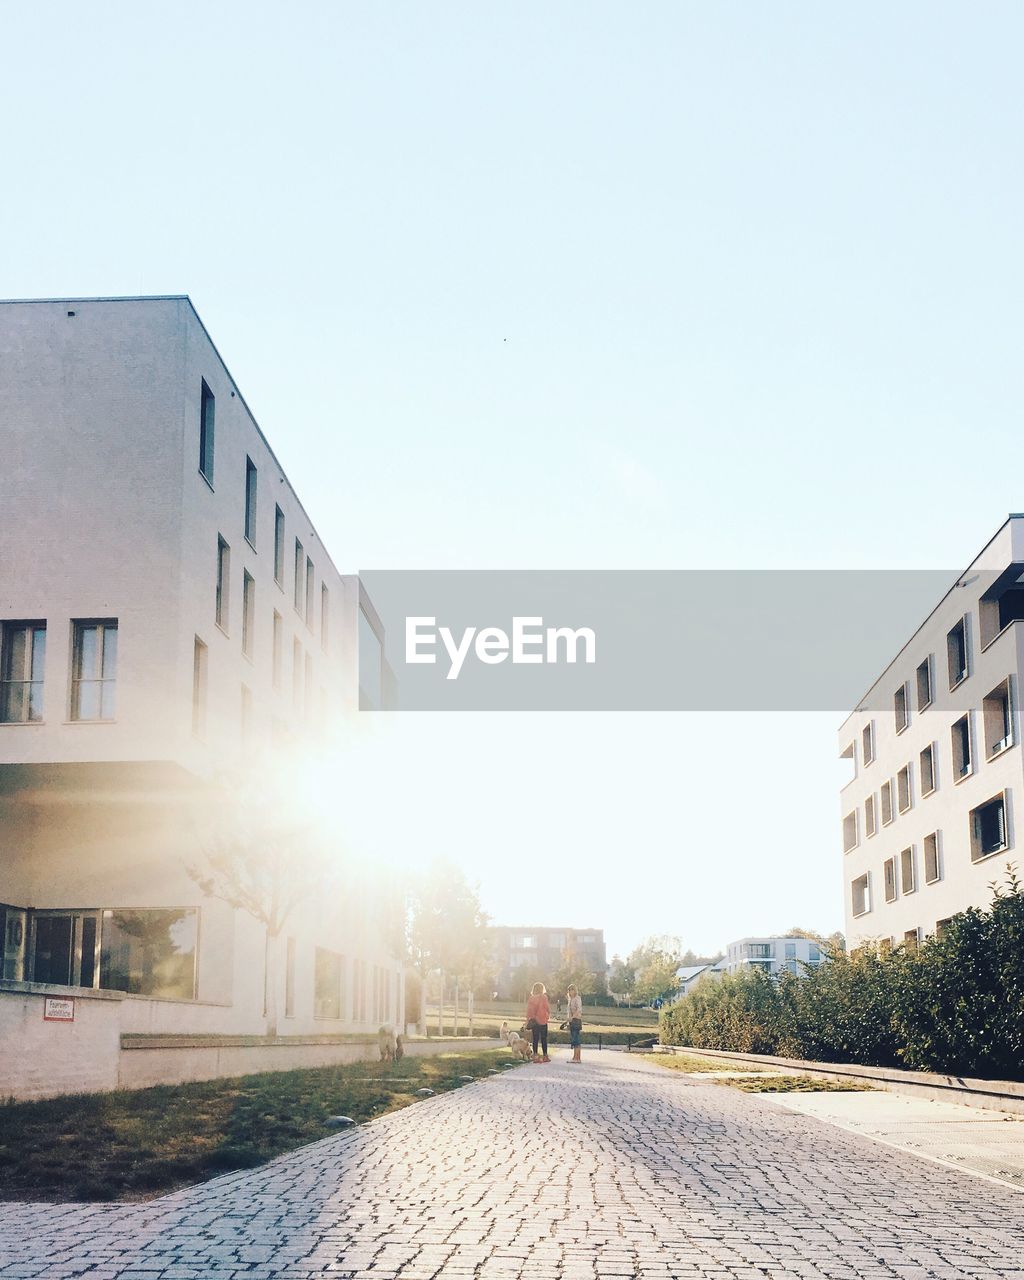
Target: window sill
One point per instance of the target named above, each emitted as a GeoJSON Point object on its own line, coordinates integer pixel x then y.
{"type": "Point", "coordinates": [859, 915]}
{"type": "Point", "coordinates": [984, 857]}
{"type": "Point", "coordinates": [934, 880]}
{"type": "Point", "coordinates": [987, 644]}
{"type": "Point", "coordinates": [903, 729]}
{"type": "Point", "coordinates": [930, 792]}
{"type": "Point", "coordinates": [251, 543]}
{"type": "Point", "coordinates": [923, 706]}
{"type": "Point", "coordinates": [113, 721]}
{"type": "Point", "coordinates": [963, 777]}
{"type": "Point", "coordinates": [1001, 752]}
{"type": "Point", "coordinates": [957, 683]}
{"type": "Point", "coordinates": [207, 479]}
{"type": "Point", "coordinates": [907, 809]}
{"type": "Point", "coordinates": [223, 630]}
{"type": "Point", "coordinates": [21, 724]}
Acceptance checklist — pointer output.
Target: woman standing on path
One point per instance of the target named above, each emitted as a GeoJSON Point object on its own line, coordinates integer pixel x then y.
{"type": "Point", "coordinates": [575, 1012]}
{"type": "Point", "coordinates": [538, 1012]}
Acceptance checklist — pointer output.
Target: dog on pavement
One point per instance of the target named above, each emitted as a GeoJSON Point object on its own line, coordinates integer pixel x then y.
{"type": "Point", "coordinates": [520, 1047]}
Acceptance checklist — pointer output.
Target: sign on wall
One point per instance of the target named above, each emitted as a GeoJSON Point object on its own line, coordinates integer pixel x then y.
{"type": "Point", "coordinates": [57, 1009]}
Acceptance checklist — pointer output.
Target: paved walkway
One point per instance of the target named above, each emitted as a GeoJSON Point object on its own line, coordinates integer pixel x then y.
{"type": "Point", "coordinates": [615, 1169]}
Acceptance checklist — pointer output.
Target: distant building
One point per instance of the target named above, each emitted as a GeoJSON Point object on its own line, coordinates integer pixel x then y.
{"type": "Point", "coordinates": [770, 955]}
{"type": "Point", "coordinates": [523, 954]}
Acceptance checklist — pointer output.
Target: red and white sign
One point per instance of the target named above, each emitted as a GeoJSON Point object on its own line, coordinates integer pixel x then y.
{"type": "Point", "coordinates": [56, 1009]}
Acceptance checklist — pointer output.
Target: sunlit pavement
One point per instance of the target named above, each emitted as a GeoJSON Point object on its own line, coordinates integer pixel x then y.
{"type": "Point", "coordinates": [615, 1168]}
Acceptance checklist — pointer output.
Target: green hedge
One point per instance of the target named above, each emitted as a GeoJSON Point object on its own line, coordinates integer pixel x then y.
{"type": "Point", "coordinates": [953, 1004]}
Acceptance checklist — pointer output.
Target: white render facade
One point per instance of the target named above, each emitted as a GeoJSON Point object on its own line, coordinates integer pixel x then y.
{"type": "Point", "coordinates": [929, 816]}
{"type": "Point", "coordinates": [168, 614]}
{"type": "Point", "coordinates": [771, 955]}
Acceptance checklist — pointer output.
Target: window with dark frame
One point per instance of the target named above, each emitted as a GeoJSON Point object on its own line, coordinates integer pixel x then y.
{"type": "Point", "coordinates": [924, 683]}
{"type": "Point", "coordinates": [248, 613]}
{"type": "Point", "coordinates": [927, 765]}
{"type": "Point", "coordinates": [889, 878]}
{"type": "Point", "coordinates": [956, 653]}
{"type": "Point", "coordinates": [932, 870]}
{"type": "Point", "coordinates": [206, 432]}
{"type": "Point", "coordinates": [94, 670]}
{"type": "Point", "coordinates": [988, 829]}
{"type": "Point", "coordinates": [901, 708]}
{"type": "Point", "coordinates": [199, 669]}
{"type": "Point", "coordinates": [250, 502]}
{"type": "Point", "coordinates": [222, 607]}
{"type": "Point", "coordinates": [907, 881]}
{"type": "Point", "coordinates": [300, 560]}
{"type": "Point", "coordinates": [868, 742]}
{"type": "Point", "coordinates": [22, 669]}
{"type": "Point", "coordinates": [278, 546]}
{"type": "Point", "coordinates": [961, 740]}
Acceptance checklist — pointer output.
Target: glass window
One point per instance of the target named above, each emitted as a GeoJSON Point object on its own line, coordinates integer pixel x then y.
{"type": "Point", "coordinates": [94, 671]}
{"type": "Point", "coordinates": [222, 611]}
{"type": "Point", "coordinates": [310, 592]}
{"type": "Point", "coordinates": [248, 613]}
{"type": "Point", "coordinates": [206, 413]}
{"type": "Point", "coordinates": [325, 615]}
{"type": "Point", "coordinates": [199, 688]}
{"type": "Point", "coordinates": [327, 984]}
{"type": "Point", "coordinates": [150, 952]}
{"type": "Point", "coordinates": [250, 500]}
{"type": "Point", "coordinates": [278, 545]}
{"type": "Point", "coordinates": [300, 559]}
{"type": "Point", "coordinates": [23, 662]}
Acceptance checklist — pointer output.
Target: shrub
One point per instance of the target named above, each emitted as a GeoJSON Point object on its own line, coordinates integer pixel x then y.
{"type": "Point", "coordinates": [954, 1004]}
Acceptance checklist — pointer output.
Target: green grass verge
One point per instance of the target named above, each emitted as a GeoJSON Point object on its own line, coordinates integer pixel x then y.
{"type": "Point", "coordinates": [692, 1062]}
{"type": "Point", "coordinates": [794, 1084]}
{"type": "Point", "coordinates": [133, 1144]}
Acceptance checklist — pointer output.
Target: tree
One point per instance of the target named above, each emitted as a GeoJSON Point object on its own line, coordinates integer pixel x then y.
{"type": "Point", "coordinates": [264, 864]}
{"type": "Point", "coordinates": [445, 927]}
{"type": "Point", "coordinates": [658, 979]}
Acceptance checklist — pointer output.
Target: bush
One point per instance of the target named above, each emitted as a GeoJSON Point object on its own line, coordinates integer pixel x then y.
{"type": "Point", "coordinates": [954, 1004]}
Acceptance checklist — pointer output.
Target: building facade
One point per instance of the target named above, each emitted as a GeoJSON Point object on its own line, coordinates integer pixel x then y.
{"type": "Point", "coordinates": [524, 955]}
{"type": "Point", "coordinates": [172, 632]}
{"type": "Point", "coordinates": [928, 819]}
{"type": "Point", "coordinates": [770, 955]}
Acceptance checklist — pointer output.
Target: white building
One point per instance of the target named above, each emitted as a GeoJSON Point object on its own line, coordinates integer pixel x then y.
{"type": "Point", "coordinates": [167, 612]}
{"type": "Point", "coordinates": [928, 816]}
{"type": "Point", "coordinates": [770, 955]}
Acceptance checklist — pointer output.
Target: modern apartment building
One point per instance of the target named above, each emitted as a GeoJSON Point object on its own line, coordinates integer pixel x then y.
{"type": "Point", "coordinates": [169, 617]}
{"type": "Point", "coordinates": [770, 955]}
{"type": "Point", "coordinates": [523, 955]}
{"type": "Point", "coordinates": [928, 820]}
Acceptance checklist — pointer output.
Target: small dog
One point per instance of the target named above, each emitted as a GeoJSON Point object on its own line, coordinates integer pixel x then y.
{"type": "Point", "coordinates": [516, 1043]}
{"type": "Point", "coordinates": [387, 1044]}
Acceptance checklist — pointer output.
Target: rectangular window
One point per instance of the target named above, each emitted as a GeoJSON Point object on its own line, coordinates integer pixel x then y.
{"type": "Point", "coordinates": [279, 546]}
{"type": "Point", "coordinates": [813, 953]}
{"type": "Point", "coordinates": [150, 952]}
{"type": "Point", "coordinates": [901, 708]}
{"type": "Point", "coordinates": [250, 501]}
{"type": "Point", "coordinates": [300, 560]}
{"type": "Point", "coordinates": [961, 736]}
{"type": "Point", "coordinates": [932, 870]}
{"type": "Point", "coordinates": [956, 653]}
{"type": "Point", "coordinates": [886, 798]}
{"type": "Point", "coordinates": [278, 650]}
{"type": "Point", "coordinates": [248, 613]}
{"type": "Point", "coordinates": [927, 762]}
{"type": "Point", "coordinates": [325, 616]}
{"type": "Point", "coordinates": [296, 675]}
{"type": "Point", "coordinates": [246, 716]}
{"type": "Point", "coordinates": [327, 984]}
{"type": "Point", "coordinates": [222, 608]}
{"type": "Point", "coordinates": [868, 742]}
{"type": "Point", "coordinates": [942, 927]}
{"type": "Point", "coordinates": [861, 895]}
{"type": "Point", "coordinates": [924, 683]}
{"type": "Point", "coordinates": [850, 831]}
{"type": "Point", "coordinates": [908, 882]}
{"type": "Point", "coordinates": [903, 789]}
{"type": "Point", "coordinates": [988, 829]}
{"type": "Point", "coordinates": [310, 592]}
{"type": "Point", "coordinates": [307, 688]}
{"type": "Point", "coordinates": [911, 939]}
{"type": "Point", "coordinates": [996, 717]}
{"type": "Point", "coordinates": [206, 432]}
{"type": "Point", "coordinates": [870, 817]}
{"type": "Point", "coordinates": [22, 663]}
{"type": "Point", "coordinates": [890, 879]}
{"type": "Point", "coordinates": [289, 978]}
{"type": "Point", "coordinates": [94, 670]}
{"type": "Point", "coordinates": [199, 656]}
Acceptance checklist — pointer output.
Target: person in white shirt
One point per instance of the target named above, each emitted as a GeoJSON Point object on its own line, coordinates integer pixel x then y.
{"type": "Point", "coordinates": [575, 1012]}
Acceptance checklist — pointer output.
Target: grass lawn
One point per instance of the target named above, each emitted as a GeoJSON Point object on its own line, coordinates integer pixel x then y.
{"type": "Point", "coordinates": [795, 1084]}
{"type": "Point", "coordinates": [130, 1145]}
{"type": "Point", "coordinates": [692, 1062]}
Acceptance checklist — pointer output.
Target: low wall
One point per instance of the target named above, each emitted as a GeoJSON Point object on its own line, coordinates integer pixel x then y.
{"type": "Point", "coordinates": [146, 1060]}
{"type": "Point", "coordinates": [40, 1058]}
{"type": "Point", "coordinates": [995, 1095]}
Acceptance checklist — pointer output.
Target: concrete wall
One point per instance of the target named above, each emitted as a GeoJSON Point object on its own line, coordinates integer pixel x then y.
{"type": "Point", "coordinates": [39, 1059]}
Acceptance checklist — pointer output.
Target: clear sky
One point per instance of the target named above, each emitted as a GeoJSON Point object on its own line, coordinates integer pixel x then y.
{"type": "Point", "coordinates": [576, 286]}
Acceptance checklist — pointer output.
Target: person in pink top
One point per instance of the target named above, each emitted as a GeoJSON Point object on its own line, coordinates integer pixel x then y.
{"type": "Point", "coordinates": [538, 1013]}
